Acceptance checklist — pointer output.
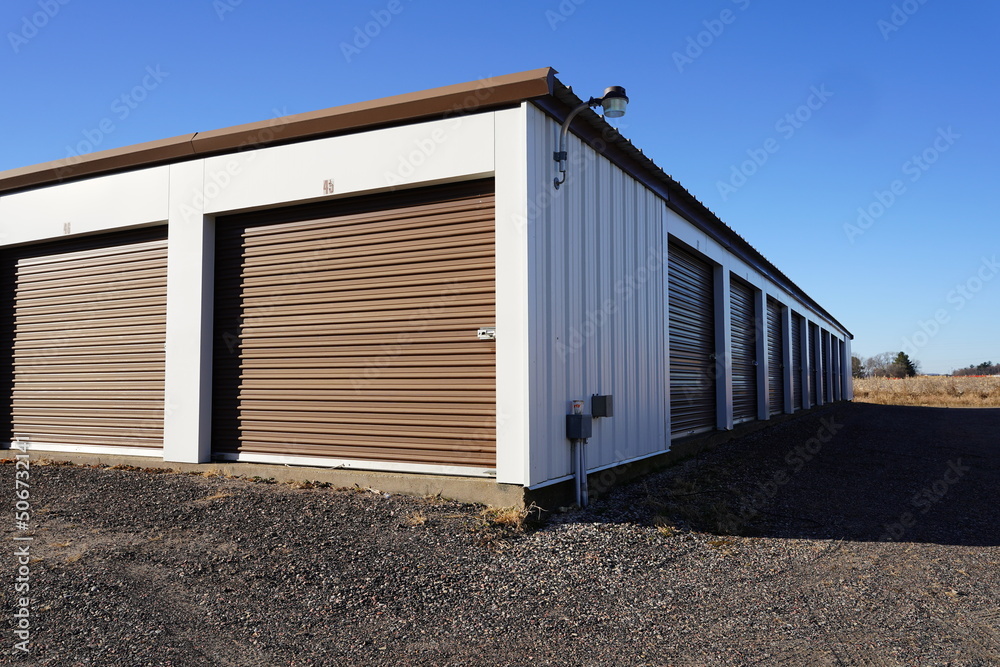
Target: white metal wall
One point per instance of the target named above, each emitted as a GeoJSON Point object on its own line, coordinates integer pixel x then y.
{"type": "Point", "coordinates": [597, 256]}
{"type": "Point", "coordinates": [598, 302]}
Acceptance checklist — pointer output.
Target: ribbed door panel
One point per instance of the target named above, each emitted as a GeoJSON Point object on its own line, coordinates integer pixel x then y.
{"type": "Point", "coordinates": [353, 334]}
{"type": "Point", "coordinates": [88, 329]}
{"type": "Point", "coordinates": [796, 362]}
{"type": "Point", "coordinates": [692, 343]}
{"type": "Point", "coordinates": [744, 352]}
{"type": "Point", "coordinates": [775, 365]}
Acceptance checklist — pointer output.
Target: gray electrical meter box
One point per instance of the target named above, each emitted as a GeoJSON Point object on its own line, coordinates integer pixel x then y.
{"type": "Point", "coordinates": [579, 427]}
{"type": "Point", "coordinates": [601, 406]}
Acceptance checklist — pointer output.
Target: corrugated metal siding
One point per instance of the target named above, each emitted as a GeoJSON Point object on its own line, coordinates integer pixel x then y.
{"type": "Point", "coordinates": [744, 351]}
{"type": "Point", "coordinates": [87, 331]}
{"type": "Point", "coordinates": [796, 361]}
{"type": "Point", "coordinates": [775, 359]}
{"type": "Point", "coordinates": [597, 309]}
{"type": "Point", "coordinates": [692, 343]}
{"type": "Point", "coordinates": [349, 330]}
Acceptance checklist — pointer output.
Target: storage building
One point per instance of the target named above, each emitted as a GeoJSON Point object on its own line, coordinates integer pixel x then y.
{"type": "Point", "coordinates": [394, 286]}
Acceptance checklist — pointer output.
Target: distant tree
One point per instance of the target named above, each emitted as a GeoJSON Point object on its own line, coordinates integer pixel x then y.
{"type": "Point", "coordinates": [877, 365]}
{"type": "Point", "coordinates": [985, 368]}
{"type": "Point", "coordinates": [902, 366]}
{"type": "Point", "coordinates": [857, 367]}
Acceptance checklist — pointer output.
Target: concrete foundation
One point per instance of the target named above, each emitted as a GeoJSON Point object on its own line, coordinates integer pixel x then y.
{"type": "Point", "coordinates": [463, 489]}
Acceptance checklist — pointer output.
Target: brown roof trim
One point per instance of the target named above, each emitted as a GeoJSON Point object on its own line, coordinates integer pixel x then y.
{"type": "Point", "coordinates": [459, 99]}
{"type": "Point", "coordinates": [116, 159]}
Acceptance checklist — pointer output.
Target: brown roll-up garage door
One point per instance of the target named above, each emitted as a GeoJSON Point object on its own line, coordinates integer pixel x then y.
{"type": "Point", "coordinates": [775, 358]}
{"type": "Point", "coordinates": [87, 326]}
{"type": "Point", "coordinates": [744, 354]}
{"type": "Point", "coordinates": [349, 330]}
{"type": "Point", "coordinates": [692, 343]}
{"type": "Point", "coordinates": [796, 362]}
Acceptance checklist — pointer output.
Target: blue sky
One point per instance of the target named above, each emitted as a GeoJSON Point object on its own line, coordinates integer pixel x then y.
{"type": "Point", "coordinates": [785, 118]}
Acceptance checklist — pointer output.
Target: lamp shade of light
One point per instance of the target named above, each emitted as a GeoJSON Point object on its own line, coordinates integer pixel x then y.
{"type": "Point", "coordinates": [614, 102]}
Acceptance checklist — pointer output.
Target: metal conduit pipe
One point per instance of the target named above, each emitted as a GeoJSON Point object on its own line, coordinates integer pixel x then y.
{"type": "Point", "coordinates": [614, 102]}
{"type": "Point", "coordinates": [582, 489]}
{"type": "Point", "coordinates": [579, 428]}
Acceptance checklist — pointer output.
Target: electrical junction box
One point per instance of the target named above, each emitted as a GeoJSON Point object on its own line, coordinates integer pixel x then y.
{"type": "Point", "coordinates": [601, 406]}
{"type": "Point", "coordinates": [579, 427]}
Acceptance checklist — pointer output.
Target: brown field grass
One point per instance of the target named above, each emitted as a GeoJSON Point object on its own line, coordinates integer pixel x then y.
{"type": "Point", "coordinates": [941, 391]}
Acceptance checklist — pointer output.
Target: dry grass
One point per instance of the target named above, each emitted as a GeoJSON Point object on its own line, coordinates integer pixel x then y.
{"type": "Point", "coordinates": [416, 519]}
{"type": "Point", "coordinates": [664, 526]}
{"type": "Point", "coordinates": [510, 519]}
{"type": "Point", "coordinates": [938, 391]}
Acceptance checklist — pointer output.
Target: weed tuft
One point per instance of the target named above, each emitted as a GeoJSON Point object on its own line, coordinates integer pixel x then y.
{"type": "Point", "coordinates": [664, 526]}
{"type": "Point", "coordinates": [510, 520]}
{"type": "Point", "coordinates": [263, 480]}
{"type": "Point", "coordinates": [415, 519]}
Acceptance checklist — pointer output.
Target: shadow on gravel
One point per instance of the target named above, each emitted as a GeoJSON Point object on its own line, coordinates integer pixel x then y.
{"type": "Point", "coordinates": [852, 471]}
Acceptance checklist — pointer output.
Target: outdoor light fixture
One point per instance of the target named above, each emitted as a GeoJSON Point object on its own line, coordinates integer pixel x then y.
{"type": "Point", "coordinates": [613, 103]}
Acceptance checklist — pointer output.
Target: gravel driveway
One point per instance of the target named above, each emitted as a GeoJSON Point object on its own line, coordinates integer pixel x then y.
{"type": "Point", "coordinates": [853, 535]}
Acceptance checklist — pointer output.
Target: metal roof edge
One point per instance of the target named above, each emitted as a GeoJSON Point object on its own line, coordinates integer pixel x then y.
{"type": "Point", "coordinates": [447, 101]}
{"type": "Point", "coordinates": [459, 99]}
{"type": "Point", "coordinates": [79, 166]}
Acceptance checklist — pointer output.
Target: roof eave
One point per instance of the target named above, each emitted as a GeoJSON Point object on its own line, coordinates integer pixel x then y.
{"type": "Point", "coordinates": [448, 101]}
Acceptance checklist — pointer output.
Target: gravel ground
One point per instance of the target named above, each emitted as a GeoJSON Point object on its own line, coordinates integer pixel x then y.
{"type": "Point", "coordinates": [853, 535]}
